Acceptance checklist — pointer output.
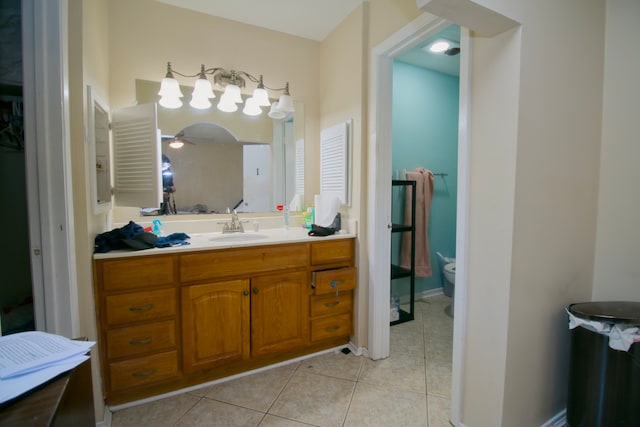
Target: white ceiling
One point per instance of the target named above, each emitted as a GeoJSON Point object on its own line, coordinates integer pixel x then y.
{"type": "Point", "coordinates": [311, 19]}
{"type": "Point", "coordinates": [438, 61]}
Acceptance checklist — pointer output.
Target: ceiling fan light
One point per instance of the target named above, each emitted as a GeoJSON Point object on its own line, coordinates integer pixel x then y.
{"type": "Point", "coordinates": [227, 104]}
{"type": "Point", "coordinates": [176, 143]}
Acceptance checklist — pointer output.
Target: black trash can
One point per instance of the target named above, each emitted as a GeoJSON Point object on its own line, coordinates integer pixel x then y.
{"type": "Point", "coordinates": [604, 383]}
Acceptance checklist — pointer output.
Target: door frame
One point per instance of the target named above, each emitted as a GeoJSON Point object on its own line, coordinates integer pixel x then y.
{"type": "Point", "coordinates": [380, 171]}
{"type": "Point", "coordinates": [48, 166]}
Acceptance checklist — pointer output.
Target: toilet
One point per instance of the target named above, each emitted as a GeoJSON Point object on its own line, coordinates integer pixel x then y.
{"type": "Point", "coordinates": [449, 271]}
{"type": "Point", "coordinates": [448, 266]}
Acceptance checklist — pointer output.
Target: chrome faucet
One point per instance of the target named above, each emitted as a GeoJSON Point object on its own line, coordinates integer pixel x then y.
{"type": "Point", "coordinates": [234, 225]}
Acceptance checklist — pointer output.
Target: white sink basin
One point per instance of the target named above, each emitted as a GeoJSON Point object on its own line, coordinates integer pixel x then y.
{"type": "Point", "coordinates": [238, 237]}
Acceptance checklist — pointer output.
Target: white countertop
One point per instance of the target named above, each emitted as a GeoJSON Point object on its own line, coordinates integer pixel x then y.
{"type": "Point", "coordinates": [218, 240]}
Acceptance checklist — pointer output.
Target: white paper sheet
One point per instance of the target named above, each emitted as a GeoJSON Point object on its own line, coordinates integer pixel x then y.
{"type": "Point", "coordinates": [327, 206]}
{"type": "Point", "coordinates": [31, 351]}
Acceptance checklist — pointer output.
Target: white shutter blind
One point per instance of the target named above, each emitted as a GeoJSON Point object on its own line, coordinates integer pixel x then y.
{"type": "Point", "coordinates": [300, 166]}
{"type": "Point", "coordinates": [334, 156]}
{"type": "Point", "coordinates": [136, 154]}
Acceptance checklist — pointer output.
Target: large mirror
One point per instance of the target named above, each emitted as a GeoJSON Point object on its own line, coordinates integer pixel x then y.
{"type": "Point", "coordinates": [227, 160]}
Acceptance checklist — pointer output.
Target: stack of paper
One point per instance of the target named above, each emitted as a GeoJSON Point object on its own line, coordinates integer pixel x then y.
{"type": "Point", "coordinates": [28, 359]}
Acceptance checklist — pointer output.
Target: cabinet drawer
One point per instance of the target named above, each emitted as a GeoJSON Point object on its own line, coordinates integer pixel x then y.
{"type": "Point", "coordinates": [328, 281]}
{"type": "Point", "coordinates": [241, 261]}
{"type": "Point", "coordinates": [331, 327]}
{"type": "Point", "coordinates": [139, 306]}
{"type": "Point", "coordinates": [137, 272]}
{"type": "Point", "coordinates": [340, 250]}
{"type": "Point", "coordinates": [143, 370]}
{"type": "Point", "coordinates": [328, 304]}
{"type": "Point", "coordinates": [145, 338]}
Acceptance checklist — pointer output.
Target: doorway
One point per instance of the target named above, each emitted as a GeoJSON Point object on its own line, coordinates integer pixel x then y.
{"type": "Point", "coordinates": [16, 296]}
{"type": "Point", "coordinates": [380, 167]}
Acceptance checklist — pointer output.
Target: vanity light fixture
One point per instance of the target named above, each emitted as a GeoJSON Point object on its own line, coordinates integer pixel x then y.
{"type": "Point", "coordinates": [232, 82]}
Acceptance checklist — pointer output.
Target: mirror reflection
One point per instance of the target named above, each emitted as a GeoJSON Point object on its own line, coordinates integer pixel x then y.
{"type": "Point", "coordinates": [220, 160]}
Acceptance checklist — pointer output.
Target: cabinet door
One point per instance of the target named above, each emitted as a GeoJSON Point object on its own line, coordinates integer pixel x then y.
{"type": "Point", "coordinates": [279, 312]}
{"type": "Point", "coordinates": [215, 324]}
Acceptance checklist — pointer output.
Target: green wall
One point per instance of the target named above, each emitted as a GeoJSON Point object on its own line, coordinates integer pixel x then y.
{"type": "Point", "coordinates": [425, 134]}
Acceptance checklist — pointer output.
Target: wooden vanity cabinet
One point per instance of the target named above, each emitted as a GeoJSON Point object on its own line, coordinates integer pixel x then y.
{"type": "Point", "coordinates": [177, 320]}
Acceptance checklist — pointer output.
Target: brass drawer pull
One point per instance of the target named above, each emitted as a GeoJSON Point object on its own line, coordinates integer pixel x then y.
{"type": "Point", "coordinates": [143, 308]}
{"type": "Point", "coordinates": [331, 328]}
{"type": "Point", "coordinates": [141, 342]}
{"type": "Point", "coordinates": [332, 304]}
{"type": "Point", "coordinates": [144, 373]}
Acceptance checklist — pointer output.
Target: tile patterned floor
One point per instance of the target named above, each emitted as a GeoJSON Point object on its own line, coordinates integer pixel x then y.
{"type": "Point", "coordinates": [410, 388]}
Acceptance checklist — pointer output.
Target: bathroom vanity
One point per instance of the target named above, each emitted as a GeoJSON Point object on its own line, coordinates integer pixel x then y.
{"type": "Point", "coordinates": [181, 316]}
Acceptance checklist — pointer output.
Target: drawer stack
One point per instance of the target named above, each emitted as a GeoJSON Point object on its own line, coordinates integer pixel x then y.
{"type": "Point", "coordinates": [331, 305]}
{"type": "Point", "coordinates": [139, 342]}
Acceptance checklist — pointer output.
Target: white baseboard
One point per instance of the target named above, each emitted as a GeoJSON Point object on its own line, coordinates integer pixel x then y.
{"type": "Point", "coordinates": [106, 422]}
{"type": "Point", "coordinates": [429, 293]}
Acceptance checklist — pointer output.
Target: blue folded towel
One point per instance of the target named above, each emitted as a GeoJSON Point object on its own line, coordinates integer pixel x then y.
{"type": "Point", "coordinates": [174, 239]}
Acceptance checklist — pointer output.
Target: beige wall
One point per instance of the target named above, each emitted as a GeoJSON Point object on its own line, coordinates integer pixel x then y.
{"type": "Point", "coordinates": [531, 253]}
{"type": "Point", "coordinates": [95, 73]}
{"type": "Point", "coordinates": [617, 270]}
{"type": "Point", "coordinates": [88, 65]}
{"type": "Point", "coordinates": [341, 62]}
{"type": "Point", "coordinates": [492, 156]}
{"type": "Point", "coordinates": [345, 62]}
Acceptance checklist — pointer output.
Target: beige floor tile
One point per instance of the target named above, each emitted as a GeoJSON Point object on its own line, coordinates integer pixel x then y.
{"type": "Point", "coordinates": [379, 406]}
{"type": "Point", "coordinates": [438, 380]}
{"type": "Point", "coordinates": [210, 413]}
{"type": "Point", "coordinates": [257, 391]}
{"type": "Point", "coordinates": [314, 399]}
{"type": "Point", "coordinates": [322, 391]}
{"type": "Point", "coordinates": [405, 371]}
{"type": "Point", "coordinates": [406, 340]}
{"type": "Point", "coordinates": [335, 364]}
{"type": "Point", "coordinates": [273, 421]}
{"type": "Point", "coordinates": [164, 412]}
{"type": "Point", "coordinates": [439, 411]}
